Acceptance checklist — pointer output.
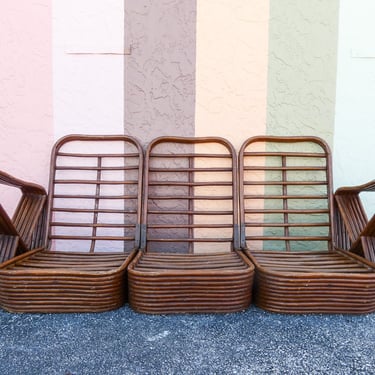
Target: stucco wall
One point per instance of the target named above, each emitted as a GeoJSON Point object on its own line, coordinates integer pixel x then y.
{"type": "Point", "coordinates": [231, 80]}
{"type": "Point", "coordinates": [160, 72]}
{"type": "Point", "coordinates": [302, 67]}
{"type": "Point", "coordinates": [25, 92]}
{"type": "Point", "coordinates": [354, 151]}
{"type": "Point", "coordinates": [229, 68]}
{"type": "Point", "coordinates": [88, 63]}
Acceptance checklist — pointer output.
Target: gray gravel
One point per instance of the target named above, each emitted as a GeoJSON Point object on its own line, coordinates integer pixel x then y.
{"type": "Point", "coordinates": [124, 342]}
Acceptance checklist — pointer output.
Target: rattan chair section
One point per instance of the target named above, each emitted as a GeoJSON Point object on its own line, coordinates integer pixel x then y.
{"type": "Point", "coordinates": [28, 221]}
{"type": "Point", "coordinates": [93, 230]}
{"type": "Point", "coordinates": [287, 225]}
{"type": "Point", "coordinates": [190, 260]}
{"type": "Point", "coordinates": [359, 230]}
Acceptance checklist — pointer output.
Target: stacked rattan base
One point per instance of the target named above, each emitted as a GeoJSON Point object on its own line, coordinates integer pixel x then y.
{"type": "Point", "coordinates": [188, 283]}
{"type": "Point", "coordinates": [45, 281]}
{"type": "Point", "coordinates": [312, 282]}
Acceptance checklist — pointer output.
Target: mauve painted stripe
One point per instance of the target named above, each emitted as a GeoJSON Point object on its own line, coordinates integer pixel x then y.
{"type": "Point", "coordinates": [160, 72]}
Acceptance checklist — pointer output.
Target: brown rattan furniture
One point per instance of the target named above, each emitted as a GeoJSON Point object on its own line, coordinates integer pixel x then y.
{"type": "Point", "coordinates": [93, 230]}
{"type": "Point", "coordinates": [287, 230]}
{"type": "Point", "coordinates": [24, 231]}
{"type": "Point", "coordinates": [190, 260]}
{"type": "Point", "coordinates": [359, 230]}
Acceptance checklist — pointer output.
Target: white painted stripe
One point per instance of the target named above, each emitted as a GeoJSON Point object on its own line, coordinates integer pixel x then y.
{"type": "Point", "coordinates": [88, 42]}
{"type": "Point", "coordinates": [354, 140]}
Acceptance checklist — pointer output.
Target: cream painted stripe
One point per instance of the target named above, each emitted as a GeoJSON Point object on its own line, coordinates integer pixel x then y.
{"type": "Point", "coordinates": [231, 68]}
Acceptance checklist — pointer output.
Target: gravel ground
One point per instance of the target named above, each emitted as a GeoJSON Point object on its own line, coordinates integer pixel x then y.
{"type": "Point", "coordinates": [124, 342]}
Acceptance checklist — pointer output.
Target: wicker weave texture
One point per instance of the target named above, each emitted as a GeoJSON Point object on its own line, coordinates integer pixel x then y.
{"type": "Point", "coordinates": [190, 222]}
{"type": "Point", "coordinates": [93, 230]}
{"type": "Point", "coordinates": [287, 222]}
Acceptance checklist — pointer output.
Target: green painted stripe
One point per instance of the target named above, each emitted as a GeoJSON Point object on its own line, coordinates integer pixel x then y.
{"type": "Point", "coordinates": [303, 38]}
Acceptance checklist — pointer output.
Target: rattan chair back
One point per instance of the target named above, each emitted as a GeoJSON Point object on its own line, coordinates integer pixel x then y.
{"type": "Point", "coordinates": [190, 195]}
{"type": "Point", "coordinates": [94, 194]}
{"type": "Point", "coordinates": [285, 194]}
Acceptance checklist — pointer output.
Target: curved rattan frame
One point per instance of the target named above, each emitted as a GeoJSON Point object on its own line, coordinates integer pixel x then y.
{"type": "Point", "coordinates": [25, 230]}
{"type": "Point", "coordinates": [161, 282]}
{"type": "Point", "coordinates": [358, 231]}
{"type": "Point", "coordinates": [60, 280]}
{"type": "Point", "coordinates": [330, 281]}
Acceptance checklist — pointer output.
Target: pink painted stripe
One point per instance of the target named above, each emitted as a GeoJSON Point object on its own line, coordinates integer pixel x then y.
{"type": "Point", "coordinates": [26, 90]}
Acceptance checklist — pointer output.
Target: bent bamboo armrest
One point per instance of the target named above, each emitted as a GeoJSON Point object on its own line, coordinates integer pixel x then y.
{"type": "Point", "coordinates": [359, 230]}
{"type": "Point", "coordinates": [27, 222]}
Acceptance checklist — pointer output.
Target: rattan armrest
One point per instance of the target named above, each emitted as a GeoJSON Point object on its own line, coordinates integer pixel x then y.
{"type": "Point", "coordinates": [27, 222]}
{"type": "Point", "coordinates": [358, 229]}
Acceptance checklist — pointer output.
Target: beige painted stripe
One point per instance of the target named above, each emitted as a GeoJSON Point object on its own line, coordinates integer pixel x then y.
{"type": "Point", "coordinates": [231, 68]}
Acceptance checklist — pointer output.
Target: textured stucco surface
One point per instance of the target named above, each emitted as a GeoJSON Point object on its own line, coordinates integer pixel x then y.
{"type": "Point", "coordinates": [88, 65]}
{"type": "Point", "coordinates": [354, 151]}
{"type": "Point", "coordinates": [302, 67]}
{"type": "Point", "coordinates": [25, 92]}
{"type": "Point", "coordinates": [160, 72]}
{"type": "Point", "coordinates": [231, 83]}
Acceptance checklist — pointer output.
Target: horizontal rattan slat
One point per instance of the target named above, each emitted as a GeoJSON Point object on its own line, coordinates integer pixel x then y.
{"type": "Point", "coordinates": [51, 261]}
